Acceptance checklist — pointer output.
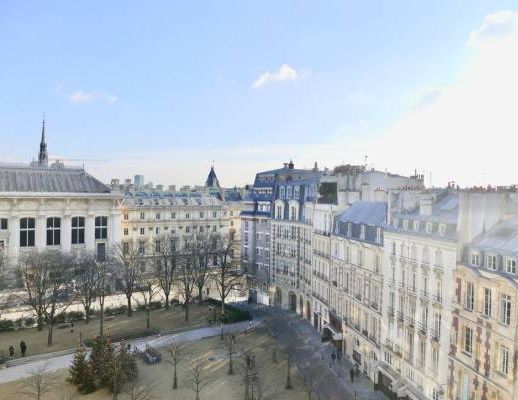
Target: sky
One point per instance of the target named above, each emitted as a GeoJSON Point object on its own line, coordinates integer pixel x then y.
{"type": "Point", "coordinates": [165, 89]}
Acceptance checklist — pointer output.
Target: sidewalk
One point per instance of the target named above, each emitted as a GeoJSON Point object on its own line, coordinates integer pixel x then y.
{"type": "Point", "coordinates": [313, 358]}
{"type": "Point", "coordinates": [62, 362]}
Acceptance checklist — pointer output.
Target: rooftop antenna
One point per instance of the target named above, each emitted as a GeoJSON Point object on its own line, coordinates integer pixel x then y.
{"type": "Point", "coordinates": [366, 157]}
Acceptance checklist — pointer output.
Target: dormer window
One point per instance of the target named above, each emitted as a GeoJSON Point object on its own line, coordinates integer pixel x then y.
{"type": "Point", "coordinates": [442, 229]}
{"type": "Point", "coordinates": [510, 265]}
{"type": "Point", "coordinates": [281, 192]}
{"type": "Point", "coordinates": [288, 192]}
{"type": "Point", "coordinates": [362, 232]}
{"type": "Point", "coordinates": [475, 260]}
{"type": "Point", "coordinates": [378, 235]}
{"type": "Point", "coordinates": [296, 192]}
{"type": "Point", "coordinates": [416, 226]}
{"type": "Point", "coordinates": [396, 222]}
{"type": "Point", "coordinates": [491, 262]}
{"type": "Point", "coordinates": [349, 229]}
{"type": "Point", "coordinates": [405, 224]}
{"type": "Point", "coordinates": [429, 227]}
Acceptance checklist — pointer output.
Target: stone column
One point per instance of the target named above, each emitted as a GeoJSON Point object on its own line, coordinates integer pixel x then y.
{"type": "Point", "coordinates": [66, 233]}
{"type": "Point", "coordinates": [90, 232]}
{"type": "Point", "coordinates": [41, 232]}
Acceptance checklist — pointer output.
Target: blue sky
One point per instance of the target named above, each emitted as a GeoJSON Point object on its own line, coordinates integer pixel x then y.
{"type": "Point", "coordinates": [163, 88]}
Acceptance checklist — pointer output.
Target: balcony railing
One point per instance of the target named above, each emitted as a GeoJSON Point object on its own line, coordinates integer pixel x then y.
{"type": "Point", "coordinates": [401, 316]}
{"type": "Point", "coordinates": [435, 335]}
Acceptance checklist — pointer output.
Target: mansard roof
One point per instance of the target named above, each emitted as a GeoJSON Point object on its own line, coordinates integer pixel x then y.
{"type": "Point", "coordinates": [365, 212]}
{"type": "Point", "coordinates": [501, 239]}
{"type": "Point", "coordinates": [212, 179]}
{"type": "Point", "coordinates": [39, 179]}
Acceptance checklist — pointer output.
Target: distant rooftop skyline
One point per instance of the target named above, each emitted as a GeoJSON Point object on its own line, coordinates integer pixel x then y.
{"type": "Point", "coordinates": [163, 90]}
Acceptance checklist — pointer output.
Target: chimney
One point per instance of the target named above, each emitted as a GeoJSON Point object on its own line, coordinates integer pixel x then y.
{"type": "Point", "coordinates": [291, 165]}
{"type": "Point", "coordinates": [425, 204]}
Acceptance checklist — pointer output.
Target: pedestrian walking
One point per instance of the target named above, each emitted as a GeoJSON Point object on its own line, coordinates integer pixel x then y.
{"type": "Point", "coordinates": [333, 357]}
{"type": "Point", "coordinates": [357, 371]}
{"type": "Point", "coordinates": [351, 374]}
{"type": "Point", "coordinates": [339, 356]}
{"type": "Point", "coordinates": [11, 351]}
{"type": "Point", "coordinates": [23, 348]}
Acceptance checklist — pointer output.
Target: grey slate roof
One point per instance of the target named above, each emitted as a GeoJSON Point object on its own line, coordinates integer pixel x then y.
{"type": "Point", "coordinates": [365, 212]}
{"type": "Point", "coordinates": [502, 238]}
{"type": "Point", "coordinates": [41, 179]}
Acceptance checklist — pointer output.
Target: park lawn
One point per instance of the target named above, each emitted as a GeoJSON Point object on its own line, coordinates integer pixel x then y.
{"type": "Point", "coordinates": [119, 325]}
{"type": "Point", "coordinates": [218, 385]}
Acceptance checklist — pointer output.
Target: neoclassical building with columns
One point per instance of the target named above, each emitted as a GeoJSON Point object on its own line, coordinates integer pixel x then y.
{"type": "Point", "coordinates": [55, 207]}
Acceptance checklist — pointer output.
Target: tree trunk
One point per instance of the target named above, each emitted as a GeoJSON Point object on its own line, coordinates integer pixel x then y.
{"type": "Point", "coordinates": [200, 292]}
{"type": "Point", "coordinates": [87, 314]}
{"type": "Point", "coordinates": [223, 302]}
{"type": "Point", "coordinates": [288, 376]}
{"type": "Point", "coordinates": [130, 310]}
{"type": "Point", "coordinates": [148, 315]}
{"type": "Point", "coordinates": [175, 380]}
{"type": "Point", "coordinates": [101, 321]}
{"type": "Point", "coordinates": [40, 322]}
{"type": "Point", "coordinates": [166, 300]}
{"type": "Point", "coordinates": [49, 337]}
{"type": "Point", "coordinates": [186, 312]}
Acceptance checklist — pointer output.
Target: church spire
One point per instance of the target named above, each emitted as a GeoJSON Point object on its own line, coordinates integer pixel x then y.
{"type": "Point", "coordinates": [43, 157]}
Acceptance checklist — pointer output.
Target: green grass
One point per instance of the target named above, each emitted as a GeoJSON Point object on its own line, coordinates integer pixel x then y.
{"type": "Point", "coordinates": [119, 326]}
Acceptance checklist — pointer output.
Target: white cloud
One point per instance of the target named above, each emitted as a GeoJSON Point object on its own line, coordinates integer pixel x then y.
{"type": "Point", "coordinates": [81, 96]}
{"type": "Point", "coordinates": [494, 26]}
{"type": "Point", "coordinates": [467, 131]}
{"type": "Point", "coordinates": [284, 73]}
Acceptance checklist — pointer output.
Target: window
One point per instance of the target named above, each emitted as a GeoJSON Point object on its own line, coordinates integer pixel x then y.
{"type": "Point", "coordinates": [429, 227]}
{"type": "Point", "coordinates": [201, 214]}
{"type": "Point", "coordinates": [126, 216]}
{"type": "Point", "coordinates": [469, 296]}
{"type": "Point", "coordinates": [157, 230]}
{"type": "Point", "coordinates": [214, 228]}
{"type": "Point", "coordinates": [362, 232]}
{"type": "Point", "coordinates": [487, 302]}
{"type": "Point", "coordinates": [416, 226]}
{"type": "Point", "coordinates": [281, 192]}
{"type": "Point", "coordinates": [279, 212]}
{"type": "Point", "coordinates": [296, 191]}
{"type": "Point", "coordinates": [288, 192]}
{"type": "Point", "coordinates": [125, 248]}
{"type": "Point", "coordinates": [3, 224]}
{"type": "Point", "coordinates": [438, 258]}
{"type": "Point", "coordinates": [349, 229]}
{"type": "Point", "coordinates": [78, 230]}
{"type": "Point", "coordinates": [27, 232]}
{"type": "Point", "coordinates": [157, 246]}
{"type": "Point", "coordinates": [505, 309]}
{"type": "Point", "coordinates": [426, 255]}
{"type": "Point", "coordinates": [126, 231]}
{"type": "Point", "coordinates": [510, 265]}
{"type": "Point", "coordinates": [491, 261]}
{"type": "Point", "coordinates": [468, 340]}
{"type": "Point", "coordinates": [142, 215]}
{"type": "Point", "coordinates": [378, 235]}
{"type": "Point", "coordinates": [293, 213]}
{"type": "Point", "coordinates": [173, 215]}
{"type": "Point", "coordinates": [503, 359]}
{"type": "Point", "coordinates": [157, 216]}
{"type": "Point", "coordinates": [187, 229]}
{"type": "Point", "coordinates": [53, 231]}
{"type": "Point", "coordinates": [142, 231]}
{"type": "Point", "coordinates": [442, 229]}
{"type": "Point", "coordinates": [231, 213]}
{"type": "Point", "coordinates": [214, 214]}
{"type": "Point", "coordinates": [101, 227]}
{"type": "Point", "coordinates": [187, 216]}
{"type": "Point", "coordinates": [475, 259]}
{"type": "Point", "coordinates": [142, 247]}
{"type": "Point", "coordinates": [396, 223]}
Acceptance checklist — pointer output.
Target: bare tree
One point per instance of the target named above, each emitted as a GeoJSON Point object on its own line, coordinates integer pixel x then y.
{"type": "Point", "coordinates": [197, 379]}
{"type": "Point", "coordinates": [226, 274]}
{"type": "Point", "coordinates": [137, 392]}
{"type": "Point", "coordinates": [86, 282]}
{"type": "Point", "coordinates": [165, 264]}
{"type": "Point", "coordinates": [185, 276]}
{"type": "Point", "coordinates": [103, 289]}
{"type": "Point", "coordinates": [205, 251]}
{"type": "Point", "coordinates": [230, 345]}
{"type": "Point", "coordinates": [130, 261]}
{"type": "Point", "coordinates": [45, 276]}
{"type": "Point", "coordinates": [250, 377]}
{"type": "Point", "coordinates": [175, 356]}
{"type": "Point", "coordinates": [146, 287]}
{"type": "Point", "coordinates": [38, 384]}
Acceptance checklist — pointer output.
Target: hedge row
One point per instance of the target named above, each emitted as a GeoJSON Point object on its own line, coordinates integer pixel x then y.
{"type": "Point", "coordinates": [232, 313]}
